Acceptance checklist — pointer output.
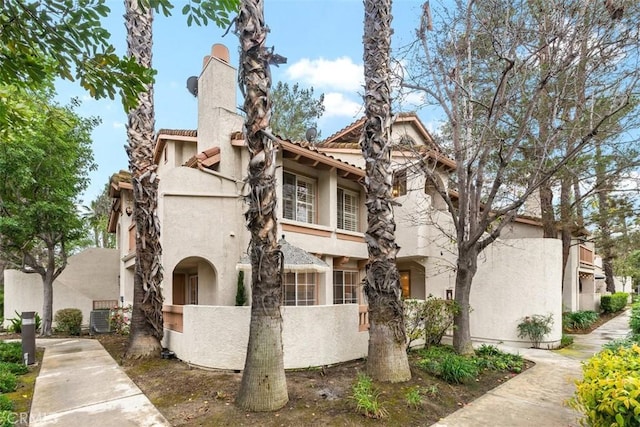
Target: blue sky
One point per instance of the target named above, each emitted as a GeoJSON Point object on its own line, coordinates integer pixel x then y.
{"type": "Point", "coordinates": [322, 40]}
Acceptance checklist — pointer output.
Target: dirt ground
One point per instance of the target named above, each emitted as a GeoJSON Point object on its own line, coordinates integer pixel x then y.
{"type": "Point", "coordinates": [188, 396]}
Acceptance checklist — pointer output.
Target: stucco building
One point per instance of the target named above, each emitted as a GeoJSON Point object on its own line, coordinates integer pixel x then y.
{"type": "Point", "coordinates": [321, 214]}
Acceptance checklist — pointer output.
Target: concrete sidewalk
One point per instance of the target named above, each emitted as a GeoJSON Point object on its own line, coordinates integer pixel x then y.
{"type": "Point", "coordinates": [537, 396]}
{"type": "Point", "coordinates": [81, 385]}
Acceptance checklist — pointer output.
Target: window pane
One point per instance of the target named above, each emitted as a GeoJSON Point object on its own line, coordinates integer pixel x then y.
{"type": "Point", "coordinates": [289, 289]}
{"type": "Point", "coordinates": [288, 195]}
{"type": "Point", "coordinates": [337, 287]}
{"type": "Point", "coordinates": [298, 198]}
{"type": "Point", "coordinates": [348, 210]}
{"type": "Point", "coordinates": [340, 208]}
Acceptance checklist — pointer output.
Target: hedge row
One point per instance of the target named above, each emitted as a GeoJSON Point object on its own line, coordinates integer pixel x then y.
{"type": "Point", "coordinates": [614, 302]}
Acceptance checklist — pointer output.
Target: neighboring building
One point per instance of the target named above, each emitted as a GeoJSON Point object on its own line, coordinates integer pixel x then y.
{"type": "Point", "coordinates": [90, 281]}
{"type": "Point", "coordinates": [322, 218]}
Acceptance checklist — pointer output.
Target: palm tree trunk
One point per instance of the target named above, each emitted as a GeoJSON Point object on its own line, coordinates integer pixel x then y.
{"type": "Point", "coordinates": [264, 385]}
{"type": "Point", "coordinates": [387, 357]}
{"type": "Point", "coordinates": [146, 317]}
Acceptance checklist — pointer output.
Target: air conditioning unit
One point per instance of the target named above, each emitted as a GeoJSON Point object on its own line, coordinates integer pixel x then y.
{"type": "Point", "coordinates": [99, 322]}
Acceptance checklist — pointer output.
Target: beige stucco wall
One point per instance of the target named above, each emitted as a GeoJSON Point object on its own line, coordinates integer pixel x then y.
{"type": "Point", "coordinates": [217, 337]}
{"type": "Point", "coordinates": [203, 219]}
{"type": "Point", "coordinates": [90, 275]}
{"type": "Point", "coordinates": [516, 278]}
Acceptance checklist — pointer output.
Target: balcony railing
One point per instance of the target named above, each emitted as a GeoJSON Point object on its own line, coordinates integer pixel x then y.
{"type": "Point", "coordinates": [132, 238]}
{"type": "Point", "coordinates": [586, 255]}
{"type": "Point", "coordinates": [363, 318]}
{"type": "Point", "coordinates": [172, 317]}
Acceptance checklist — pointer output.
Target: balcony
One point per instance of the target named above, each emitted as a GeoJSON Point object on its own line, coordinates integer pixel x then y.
{"type": "Point", "coordinates": [586, 256]}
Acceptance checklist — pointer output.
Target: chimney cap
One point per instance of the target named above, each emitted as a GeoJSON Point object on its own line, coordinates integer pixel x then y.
{"type": "Point", "coordinates": [220, 51]}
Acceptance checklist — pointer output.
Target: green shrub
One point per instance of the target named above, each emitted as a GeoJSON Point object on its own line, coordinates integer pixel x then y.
{"type": "Point", "coordinates": [16, 323]}
{"type": "Point", "coordinates": [69, 321]}
{"type": "Point", "coordinates": [452, 368]}
{"type": "Point", "coordinates": [241, 294]}
{"type": "Point", "coordinates": [609, 392]}
{"type": "Point", "coordinates": [120, 320]}
{"type": "Point", "coordinates": [429, 319]}
{"type": "Point", "coordinates": [490, 357]}
{"type": "Point", "coordinates": [566, 340]}
{"type": "Point", "coordinates": [634, 320]}
{"type": "Point", "coordinates": [11, 352]}
{"type": "Point", "coordinates": [579, 319]}
{"type": "Point", "coordinates": [458, 369]}
{"type": "Point", "coordinates": [614, 302]}
{"type": "Point", "coordinates": [8, 382]}
{"type": "Point", "coordinates": [6, 404]}
{"type": "Point", "coordinates": [635, 297]}
{"type": "Point", "coordinates": [14, 368]}
{"type": "Point", "coordinates": [535, 328]}
{"type": "Point", "coordinates": [627, 342]}
{"type": "Point", "coordinates": [366, 397]}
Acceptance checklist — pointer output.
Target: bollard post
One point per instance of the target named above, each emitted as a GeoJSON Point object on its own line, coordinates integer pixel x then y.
{"type": "Point", "coordinates": [29, 337]}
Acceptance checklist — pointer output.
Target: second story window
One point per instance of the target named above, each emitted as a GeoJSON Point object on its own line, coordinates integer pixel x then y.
{"type": "Point", "coordinates": [348, 212]}
{"type": "Point", "coordinates": [298, 198]}
{"type": "Point", "coordinates": [399, 183]}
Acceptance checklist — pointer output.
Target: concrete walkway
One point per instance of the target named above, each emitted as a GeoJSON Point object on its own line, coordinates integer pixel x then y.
{"type": "Point", "coordinates": [537, 397]}
{"type": "Point", "coordinates": [81, 385]}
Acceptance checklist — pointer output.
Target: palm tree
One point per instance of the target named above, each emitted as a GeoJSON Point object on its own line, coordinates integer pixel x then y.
{"type": "Point", "coordinates": [264, 385]}
{"type": "Point", "coordinates": [146, 317]}
{"type": "Point", "coordinates": [387, 357]}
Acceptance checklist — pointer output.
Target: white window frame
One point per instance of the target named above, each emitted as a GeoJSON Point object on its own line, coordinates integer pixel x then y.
{"type": "Point", "coordinates": [354, 279]}
{"type": "Point", "coordinates": [300, 282]}
{"type": "Point", "coordinates": [303, 202]}
{"type": "Point", "coordinates": [349, 221]}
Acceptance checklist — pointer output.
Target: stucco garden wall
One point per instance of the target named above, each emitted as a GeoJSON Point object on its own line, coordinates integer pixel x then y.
{"type": "Point", "coordinates": [520, 278]}
{"type": "Point", "coordinates": [217, 337]}
{"type": "Point", "coordinates": [515, 278]}
{"type": "Point", "coordinates": [90, 275]}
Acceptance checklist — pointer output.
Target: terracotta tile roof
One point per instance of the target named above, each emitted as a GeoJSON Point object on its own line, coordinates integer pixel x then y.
{"type": "Point", "coordinates": [348, 132]}
{"type": "Point", "coordinates": [311, 150]}
{"type": "Point", "coordinates": [193, 133]}
{"type": "Point", "coordinates": [161, 139]}
{"type": "Point", "coordinates": [207, 158]}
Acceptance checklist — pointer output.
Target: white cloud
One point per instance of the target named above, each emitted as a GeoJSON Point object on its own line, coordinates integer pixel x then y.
{"type": "Point", "coordinates": [336, 104]}
{"type": "Point", "coordinates": [338, 74]}
{"type": "Point", "coordinates": [117, 125]}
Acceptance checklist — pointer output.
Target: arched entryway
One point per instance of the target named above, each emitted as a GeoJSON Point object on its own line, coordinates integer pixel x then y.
{"type": "Point", "coordinates": [194, 282]}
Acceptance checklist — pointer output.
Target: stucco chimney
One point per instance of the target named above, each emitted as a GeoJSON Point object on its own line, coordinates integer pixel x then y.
{"type": "Point", "coordinates": [217, 104]}
{"type": "Point", "coordinates": [217, 82]}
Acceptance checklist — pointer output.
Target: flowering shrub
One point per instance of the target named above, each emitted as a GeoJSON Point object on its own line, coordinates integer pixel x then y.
{"type": "Point", "coordinates": [120, 319]}
{"type": "Point", "coordinates": [535, 327]}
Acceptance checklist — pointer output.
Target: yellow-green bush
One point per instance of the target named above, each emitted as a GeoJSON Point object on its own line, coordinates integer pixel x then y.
{"type": "Point", "coordinates": [609, 393]}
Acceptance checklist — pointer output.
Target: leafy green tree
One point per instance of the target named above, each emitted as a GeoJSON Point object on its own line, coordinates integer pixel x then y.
{"type": "Point", "coordinates": [43, 170]}
{"type": "Point", "coordinates": [489, 66]}
{"type": "Point", "coordinates": [65, 38]}
{"type": "Point", "coordinates": [96, 216]}
{"type": "Point", "coordinates": [294, 111]}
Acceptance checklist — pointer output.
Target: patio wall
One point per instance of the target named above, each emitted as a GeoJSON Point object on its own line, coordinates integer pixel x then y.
{"type": "Point", "coordinates": [217, 336]}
